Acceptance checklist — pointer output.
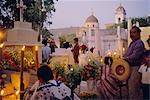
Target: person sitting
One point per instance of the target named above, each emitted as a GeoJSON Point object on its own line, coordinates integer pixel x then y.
{"type": "Point", "coordinates": [49, 89]}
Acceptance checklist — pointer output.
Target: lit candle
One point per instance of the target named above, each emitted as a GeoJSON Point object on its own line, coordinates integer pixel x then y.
{"type": "Point", "coordinates": [89, 60]}
{"type": "Point", "coordinates": [36, 57]}
{"type": "Point", "coordinates": [101, 60]}
{"type": "Point", "coordinates": [1, 51]}
{"type": "Point", "coordinates": [123, 49]}
{"type": "Point", "coordinates": [109, 53]}
{"type": "Point", "coordinates": [21, 73]}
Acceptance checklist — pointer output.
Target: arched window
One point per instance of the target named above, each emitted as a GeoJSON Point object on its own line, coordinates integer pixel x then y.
{"type": "Point", "coordinates": [93, 25]}
{"type": "Point", "coordinates": [119, 20]}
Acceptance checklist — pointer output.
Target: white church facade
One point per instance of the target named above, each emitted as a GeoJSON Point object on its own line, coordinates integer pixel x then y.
{"type": "Point", "coordinates": [103, 40]}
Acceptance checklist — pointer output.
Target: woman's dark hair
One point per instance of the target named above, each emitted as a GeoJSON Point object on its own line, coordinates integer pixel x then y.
{"type": "Point", "coordinates": [108, 60]}
{"type": "Point", "coordinates": [137, 28]}
{"type": "Point", "coordinates": [76, 39]}
{"type": "Point", "coordinates": [44, 42]}
{"type": "Point", "coordinates": [146, 53]}
{"type": "Point", "coordinates": [45, 73]}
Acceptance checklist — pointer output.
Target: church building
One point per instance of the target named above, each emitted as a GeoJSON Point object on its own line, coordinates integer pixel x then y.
{"type": "Point", "coordinates": [103, 40]}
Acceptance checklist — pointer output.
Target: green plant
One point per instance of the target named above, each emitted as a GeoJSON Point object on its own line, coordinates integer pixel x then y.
{"type": "Point", "coordinates": [73, 75]}
{"type": "Point", "coordinates": [12, 59]}
{"type": "Point", "coordinates": [58, 69]}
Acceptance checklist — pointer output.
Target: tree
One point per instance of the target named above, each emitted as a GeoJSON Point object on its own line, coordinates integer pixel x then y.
{"type": "Point", "coordinates": [143, 21]}
{"type": "Point", "coordinates": [34, 12]}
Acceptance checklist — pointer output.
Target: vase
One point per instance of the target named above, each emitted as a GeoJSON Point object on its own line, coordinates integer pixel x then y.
{"type": "Point", "coordinates": [91, 84]}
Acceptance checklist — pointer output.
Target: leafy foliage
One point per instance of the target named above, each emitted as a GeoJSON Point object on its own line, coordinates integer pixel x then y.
{"type": "Point", "coordinates": [143, 21]}
{"type": "Point", "coordinates": [12, 59]}
{"type": "Point", "coordinates": [73, 75]}
{"type": "Point", "coordinates": [34, 12]}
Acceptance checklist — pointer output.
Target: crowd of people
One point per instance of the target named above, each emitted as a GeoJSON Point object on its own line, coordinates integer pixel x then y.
{"type": "Point", "coordinates": [136, 55]}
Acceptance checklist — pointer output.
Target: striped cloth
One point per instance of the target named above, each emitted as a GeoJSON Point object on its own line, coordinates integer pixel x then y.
{"type": "Point", "coordinates": [108, 87]}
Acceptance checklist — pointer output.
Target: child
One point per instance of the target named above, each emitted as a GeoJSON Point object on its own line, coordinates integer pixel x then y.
{"type": "Point", "coordinates": [145, 71]}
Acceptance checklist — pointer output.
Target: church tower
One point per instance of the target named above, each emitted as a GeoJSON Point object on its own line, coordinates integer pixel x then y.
{"type": "Point", "coordinates": [92, 29]}
{"type": "Point", "coordinates": [120, 14]}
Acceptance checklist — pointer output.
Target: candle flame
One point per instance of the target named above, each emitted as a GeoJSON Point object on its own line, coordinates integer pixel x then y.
{"type": "Point", "coordinates": [36, 48]}
{"type": "Point", "coordinates": [17, 92]}
{"type": "Point", "coordinates": [109, 53]}
{"type": "Point", "coordinates": [123, 49]}
{"type": "Point", "coordinates": [115, 53]}
{"type": "Point", "coordinates": [1, 45]}
{"type": "Point", "coordinates": [80, 51]}
{"type": "Point", "coordinates": [101, 60]}
{"type": "Point", "coordinates": [2, 92]}
{"type": "Point", "coordinates": [89, 59]}
{"type": "Point", "coordinates": [23, 48]}
{"type": "Point", "coordinates": [71, 69]}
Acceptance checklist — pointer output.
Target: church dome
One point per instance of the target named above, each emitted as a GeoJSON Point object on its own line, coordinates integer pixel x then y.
{"type": "Point", "coordinates": [121, 9]}
{"type": "Point", "coordinates": [91, 18]}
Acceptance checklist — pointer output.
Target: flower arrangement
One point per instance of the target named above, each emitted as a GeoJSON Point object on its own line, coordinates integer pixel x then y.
{"type": "Point", "coordinates": [11, 59]}
{"type": "Point", "coordinates": [73, 75]}
{"type": "Point", "coordinates": [92, 70]}
{"type": "Point", "coordinates": [57, 69]}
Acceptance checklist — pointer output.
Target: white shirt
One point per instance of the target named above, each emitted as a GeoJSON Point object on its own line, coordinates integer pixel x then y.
{"type": "Point", "coordinates": [145, 74]}
{"type": "Point", "coordinates": [83, 59]}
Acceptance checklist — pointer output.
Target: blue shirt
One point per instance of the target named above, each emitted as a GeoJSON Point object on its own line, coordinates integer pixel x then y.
{"type": "Point", "coordinates": [46, 51]}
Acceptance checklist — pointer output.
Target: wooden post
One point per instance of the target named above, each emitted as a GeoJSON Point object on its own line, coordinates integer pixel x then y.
{"type": "Point", "coordinates": [21, 74]}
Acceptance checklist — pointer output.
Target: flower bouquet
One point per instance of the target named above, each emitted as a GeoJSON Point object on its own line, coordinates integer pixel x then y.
{"type": "Point", "coordinates": [92, 70]}
{"type": "Point", "coordinates": [58, 70]}
{"type": "Point", "coordinates": [73, 75]}
{"type": "Point", "coordinates": [11, 59]}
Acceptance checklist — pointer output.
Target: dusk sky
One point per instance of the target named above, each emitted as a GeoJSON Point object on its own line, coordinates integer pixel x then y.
{"type": "Point", "coordinates": [74, 12]}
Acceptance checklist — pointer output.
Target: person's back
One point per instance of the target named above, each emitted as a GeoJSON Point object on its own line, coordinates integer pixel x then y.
{"type": "Point", "coordinates": [48, 88]}
{"type": "Point", "coordinates": [53, 90]}
{"type": "Point", "coordinates": [46, 51]}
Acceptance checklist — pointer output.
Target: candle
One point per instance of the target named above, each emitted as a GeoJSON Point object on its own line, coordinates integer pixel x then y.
{"type": "Point", "coordinates": [36, 57]}
{"type": "Point", "coordinates": [109, 53]}
{"type": "Point", "coordinates": [1, 51]}
{"type": "Point", "coordinates": [21, 73]}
